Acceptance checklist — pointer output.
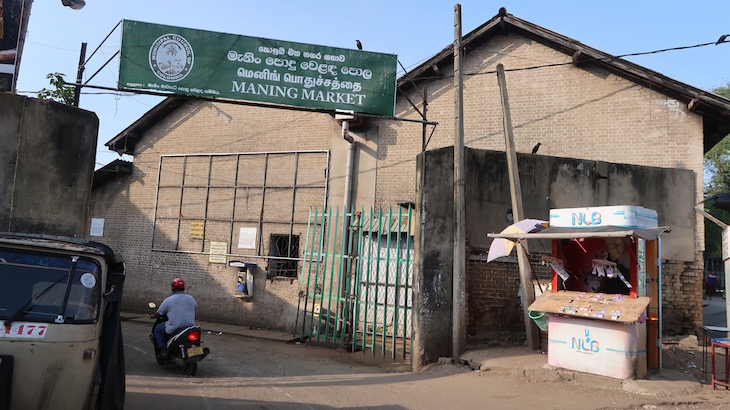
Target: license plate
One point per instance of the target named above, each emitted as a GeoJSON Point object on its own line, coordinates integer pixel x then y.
{"type": "Point", "coordinates": [195, 351]}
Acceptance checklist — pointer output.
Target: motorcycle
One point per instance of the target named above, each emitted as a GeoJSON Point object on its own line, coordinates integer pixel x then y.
{"type": "Point", "coordinates": [183, 348]}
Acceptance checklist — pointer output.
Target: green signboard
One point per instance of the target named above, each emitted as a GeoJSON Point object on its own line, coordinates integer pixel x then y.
{"type": "Point", "coordinates": [216, 65]}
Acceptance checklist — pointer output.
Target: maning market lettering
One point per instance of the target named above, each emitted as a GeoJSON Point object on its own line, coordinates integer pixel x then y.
{"type": "Point", "coordinates": [277, 91]}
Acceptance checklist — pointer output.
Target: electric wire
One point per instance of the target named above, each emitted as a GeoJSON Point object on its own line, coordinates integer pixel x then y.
{"type": "Point", "coordinates": [584, 60]}
{"type": "Point", "coordinates": [534, 67]}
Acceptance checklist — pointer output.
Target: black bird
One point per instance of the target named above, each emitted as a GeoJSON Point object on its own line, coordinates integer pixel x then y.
{"type": "Point", "coordinates": [359, 44]}
{"type": "Point", "coordinates": [536, 147]}
{"type": "Point", "coordinates": [722, 39]}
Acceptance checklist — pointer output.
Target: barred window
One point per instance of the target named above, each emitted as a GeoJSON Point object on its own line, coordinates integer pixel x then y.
{"type": "Point", "coordinates": [283, 252]}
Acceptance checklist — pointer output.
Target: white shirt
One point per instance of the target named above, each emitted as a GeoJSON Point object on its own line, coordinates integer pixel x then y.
{"type": "Point", "coordinates": [180, 309]}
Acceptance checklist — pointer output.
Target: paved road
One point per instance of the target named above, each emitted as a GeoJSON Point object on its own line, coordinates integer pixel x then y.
{"type": "Point", "coordinates": [243, 372]}
{"type": "Point", "coordinates": [713, 311]}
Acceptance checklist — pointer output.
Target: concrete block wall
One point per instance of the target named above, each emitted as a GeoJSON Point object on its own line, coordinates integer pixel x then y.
{"type": "Point", "coordinates": [47, 154]}
{"type": "Point", "coordinates": [493, 306]}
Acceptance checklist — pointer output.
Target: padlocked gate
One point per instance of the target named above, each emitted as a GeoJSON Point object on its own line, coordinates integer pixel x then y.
{"type": "Point", "coordinates": [356, 281]}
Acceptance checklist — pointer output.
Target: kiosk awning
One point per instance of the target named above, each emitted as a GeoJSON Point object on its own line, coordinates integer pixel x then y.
{"type": "Point", "coordinates": [573, 233]}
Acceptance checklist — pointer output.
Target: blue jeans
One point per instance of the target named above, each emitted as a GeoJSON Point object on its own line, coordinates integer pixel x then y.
{"type": "Point", "coordinates": [160, 335]}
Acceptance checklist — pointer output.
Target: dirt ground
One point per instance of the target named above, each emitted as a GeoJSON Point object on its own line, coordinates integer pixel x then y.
{"type": "Point", "coordinates": [679, 353]}
{"type": "Point", "coordinates": [684, 354]}
{"type": "Point", "coordinates": [244, 372]}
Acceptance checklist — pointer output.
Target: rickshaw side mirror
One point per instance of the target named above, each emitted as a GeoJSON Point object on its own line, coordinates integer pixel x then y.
{"type": "Point", "coordinates": [114, 283]}
{"type": "Point", "coordinates": [152, 305]}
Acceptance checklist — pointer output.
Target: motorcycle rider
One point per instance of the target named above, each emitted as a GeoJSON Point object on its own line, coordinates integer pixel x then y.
{"type": "Point", "coordinates": [180, 309]}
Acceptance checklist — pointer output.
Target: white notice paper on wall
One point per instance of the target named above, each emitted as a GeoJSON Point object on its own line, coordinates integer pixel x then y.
{"type": "Point", "coordinates": [247, 238]}
{"type": "Point", "coordinates": [97, 227]}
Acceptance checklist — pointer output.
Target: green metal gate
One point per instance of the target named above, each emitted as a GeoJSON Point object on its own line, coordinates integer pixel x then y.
{"type": "Point", "coordinates": [356, 277]}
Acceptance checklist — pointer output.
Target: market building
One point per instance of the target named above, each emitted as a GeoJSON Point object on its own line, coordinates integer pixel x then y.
{"type": "Point", "coordinates": [216, 182]}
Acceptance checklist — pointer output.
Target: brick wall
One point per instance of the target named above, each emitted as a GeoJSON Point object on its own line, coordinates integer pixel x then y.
{"type": "Point", "coordinates": [128, 206]}
{"type": "Point", "coordinates": [493, 302]}
{"type": "Point", "coordinates": [581, 112]}
{"type": "Point", "coordinates": [682, 297]}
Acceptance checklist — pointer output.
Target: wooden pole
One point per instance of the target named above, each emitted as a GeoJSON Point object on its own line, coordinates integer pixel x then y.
{"type": "Point", "coordinates": [458, 317]}
{"type": "Point", "coordinates": [528, 290]}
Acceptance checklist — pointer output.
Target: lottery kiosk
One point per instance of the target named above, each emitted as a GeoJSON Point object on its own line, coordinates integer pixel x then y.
{"type": "Point", "coordinates": [604, 307]}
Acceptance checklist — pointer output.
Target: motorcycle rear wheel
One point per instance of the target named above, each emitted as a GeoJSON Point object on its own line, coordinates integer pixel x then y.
{"type": "Point", "coordinates": [191, 368]}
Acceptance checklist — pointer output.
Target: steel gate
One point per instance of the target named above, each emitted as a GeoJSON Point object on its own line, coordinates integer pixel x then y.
{"type": "Point", "coordinates": [356, 281]}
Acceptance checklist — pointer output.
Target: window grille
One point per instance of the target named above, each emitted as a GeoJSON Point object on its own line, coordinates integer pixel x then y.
{"type": "Point", "coordinates": [205, 198]}
{"type": "Point", "coordinates": [283, 255]}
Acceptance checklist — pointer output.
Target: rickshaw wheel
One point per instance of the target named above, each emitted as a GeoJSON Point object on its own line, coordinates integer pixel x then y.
{"type": "Point", "coordinates": [191, 368]}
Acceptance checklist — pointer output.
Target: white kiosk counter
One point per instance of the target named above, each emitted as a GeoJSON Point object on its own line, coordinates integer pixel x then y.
{"type": "Point", "coordinates": [603, 334]}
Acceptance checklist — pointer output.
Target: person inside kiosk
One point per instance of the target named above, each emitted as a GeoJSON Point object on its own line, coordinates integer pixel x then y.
{"type": "Point", "coordinates": [586, 275]}
{"type": "Point", "coordinates": [617, 252]}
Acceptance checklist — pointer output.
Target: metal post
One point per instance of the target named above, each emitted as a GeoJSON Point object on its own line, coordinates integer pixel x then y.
{"type": "Point", "coordinates": [659, 293]}
{"type": "Point", "coordinates": [80, 74]}
{"type": "Point", "coordinates": [347, 214]}
{"type": "Point", "coordinates": [726, 265]}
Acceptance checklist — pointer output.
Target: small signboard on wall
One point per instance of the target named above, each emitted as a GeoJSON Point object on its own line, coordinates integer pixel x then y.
{"type": "Point", "coordinates": [247, 238]}
{"type": "Point", "coordinates": [197, 229]}
{"type": "Point", "coordinates": [218, 251]}
{"type": "Point", "coordinates": [97, 227]}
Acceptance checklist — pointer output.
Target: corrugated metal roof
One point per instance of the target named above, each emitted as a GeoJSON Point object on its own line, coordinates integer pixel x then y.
{"type": "Point", "coordinates": [571, 233]}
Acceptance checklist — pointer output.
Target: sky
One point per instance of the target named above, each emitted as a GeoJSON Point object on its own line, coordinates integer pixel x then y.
{"type": "Point", "coordinates": [413, 30]}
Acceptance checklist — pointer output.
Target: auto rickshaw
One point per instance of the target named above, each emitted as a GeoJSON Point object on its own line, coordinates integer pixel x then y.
{"type": "Point", "coordinates": [61, 346]}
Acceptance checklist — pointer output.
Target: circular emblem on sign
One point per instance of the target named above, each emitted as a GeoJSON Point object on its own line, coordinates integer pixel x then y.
{"type": "Point", "coordinates": [171, 57]}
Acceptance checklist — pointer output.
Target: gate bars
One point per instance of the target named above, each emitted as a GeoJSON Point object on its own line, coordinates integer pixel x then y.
{"type": "Point", "coordinates": [356, 282]}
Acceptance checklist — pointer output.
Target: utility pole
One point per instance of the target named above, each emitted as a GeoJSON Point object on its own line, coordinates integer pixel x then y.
{"type": "Point", "coordinates": [423, 126]}
{"type": "Point", "coordinates": [80, 74]}
{"type": "Point", "coordinates": [458, 316]}
{"type": "Point", "coordinates": [528, 290]}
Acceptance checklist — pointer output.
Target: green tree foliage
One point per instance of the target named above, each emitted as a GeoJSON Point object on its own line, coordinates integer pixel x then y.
{"type": "Point", "coordinates": [61, 92]}
{"type": "Point", "coordinates": [717, 180]}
